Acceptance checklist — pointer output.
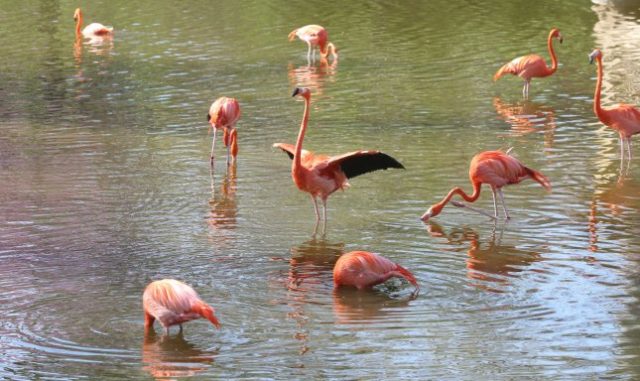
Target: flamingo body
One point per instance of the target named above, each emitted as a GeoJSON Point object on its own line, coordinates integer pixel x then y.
{"type": "Point", "coordinates": [172, 302]}
{"type": "Point", "coordinates": [224, 114]}
{"type": "Point", "coordinates": [362, 269]}
{"type": "Point", "coordinates": [316, 37]}
{"type": "Point", "coordinates": [321, 175]}
{"type": "Point", "coordinates": [624, 118]}
{"type": "Point", "coordinates": [496, 169]}
{"type": "Point", "coordinates": [532, 65]}
{"type": "Point", "coordinates": [92, 30]}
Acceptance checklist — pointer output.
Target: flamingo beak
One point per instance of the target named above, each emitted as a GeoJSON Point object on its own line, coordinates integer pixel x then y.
{"type": "Point", "coordinates": [296, 91]}
{"type": "Point", "coordinates": [560, 38]}
{"type": "Point", "coordinates": [592, 56]}
{"type": "Point", "coordinates": [208, 117]}
{"type": "Point", "coordinates": [425, 217]}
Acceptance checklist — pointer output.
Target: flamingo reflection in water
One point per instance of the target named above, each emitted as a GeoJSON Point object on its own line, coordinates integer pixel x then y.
{"type": "Point", "coordinates": [169, 357]}
{"type": "Point", "coordinates": [527, 117]}
{"type": "Point", "coordinates": [351, 306]}
{"type": "Point", "coordinates": [223, 204]}
{"type": "Point", "coordinates": [618, 199]}
{"type": "Point", "coordinates": [490, 261]}
{"type": "Point", "coordinates": [312, 76]}
{"type": "Point", "coordinates": [308, 276]}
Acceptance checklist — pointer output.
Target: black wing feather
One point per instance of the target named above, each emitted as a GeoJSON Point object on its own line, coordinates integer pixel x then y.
{"type": "Point", "coordinates": [361, 164]}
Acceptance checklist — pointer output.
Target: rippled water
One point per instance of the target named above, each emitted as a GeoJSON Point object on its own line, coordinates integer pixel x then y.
{"type": "Point", "coordinates": [105, 186]}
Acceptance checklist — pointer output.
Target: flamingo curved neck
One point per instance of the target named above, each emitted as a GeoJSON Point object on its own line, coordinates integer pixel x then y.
{"type": "Point", "coordinates": [597, 108]}
{"type": "Point", "coordinates": [457, 190]}
{"type": "Point", "coordinates": [552, 53]}
{"type": "Point", "coordinates": [297, 158]}
{"type": "Point", "coordinates": [329, 48]}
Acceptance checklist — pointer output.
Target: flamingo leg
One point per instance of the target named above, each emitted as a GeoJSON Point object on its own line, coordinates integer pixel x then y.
{"type": "Point", "coordinates": [213, 144]}
{"type": "Point", "coordinates": [495, 204]}
{"type": "Point", "coordinates": [315, 207]}
{"type": "Point", "coordinates": [324, 215]}
{"type": "Point", "coordinates": [504, 206]}
{"type": "Point", "coordinates": [309, 52]}
{"type": "Point", "coordinates": [525, 89]}
{"type": "Point", "coordinates": [228, 148]}
{"type": "Point", "coordinates": [628, 149]}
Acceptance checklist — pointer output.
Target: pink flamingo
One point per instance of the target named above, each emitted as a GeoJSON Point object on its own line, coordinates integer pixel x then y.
{"type": "Point", "coordinates": [92, 30]}
{"type": "Point", "coordinates": [532, 65]}
{"type": "Point", "coordinates": [316, 37]}
{"type": "Point", "coordinates": [362, 269]}
{"type": "Point", "coordinates": [321, 175]}
{"type": "Point", "coordinates": [223, 114]}
{"type": "Point", "coordinates": [625, 119]}
{"type": "Point", "coordinates": [497, 169]}
{"type": "Point", "coordinates": [172, 302]}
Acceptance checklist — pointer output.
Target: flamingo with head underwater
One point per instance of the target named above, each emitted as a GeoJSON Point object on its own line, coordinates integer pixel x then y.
{"type": "Point", "coordinates": [624, 118]}
{"type": "Point", "coordinates": [532, 65]}
{"type": "Point", "coordinates": [321, 175]}
{"type": "Point", "coordinates": [316, 37]}
{"type": "Point", "coordinates": [172, 302]}
{"type": "Point", "coordinates": [92, 30]}
{"type": "Point", "coordinates": [362, 269]}
{"type": "Point", "coordinates": [224, 114]}
{"type": "Point", "coordinates": [496, 169]}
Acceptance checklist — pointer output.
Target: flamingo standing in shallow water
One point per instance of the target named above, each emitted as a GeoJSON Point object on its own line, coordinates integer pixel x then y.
{"type": "Point", "coordinates": [496, 169]}
{"type": "Point", "coordinates": [625, 119]}
{"type": "Point", "coordinates": [173, 302]}
{"type": "Point", "coordinates": [316, 37]}
{"type": "Point", "coordinates": [223, 114]}
{"type": "Point", "coordinates": [321, 175]}
{"type": "Point", "coordinates": [362, 269]}
{"type": "Point", "coordinates": [532, 65]}
{"type": "Point", "coordinates": [92, 30]}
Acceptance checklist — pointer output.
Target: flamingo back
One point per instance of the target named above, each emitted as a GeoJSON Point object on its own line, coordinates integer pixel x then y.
{"type": "Point", "coordinates": [496, 169]}
{"type": "Point", "coordinates": [525, 67]}
{"type": "Point", "coordinates": [224, 112]}
{"type": "Point", "coordinates": [169, 295]}
{"type": "Point", "coordinates": [362, 269]}
{"type": "Point", "coordinates": [624, 118]}
{"type": "Point", "coordinates": [313, 34]}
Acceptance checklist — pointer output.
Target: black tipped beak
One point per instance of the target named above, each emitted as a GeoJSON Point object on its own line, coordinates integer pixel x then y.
{"type": "Point", "coordinates": [296, 91]}
{"type": "Point", "coordinates": [591, 57]}
{"type": "Point", "coordinates": [561, 39]}
{"type": "Point", "coordinates": [208, 118]}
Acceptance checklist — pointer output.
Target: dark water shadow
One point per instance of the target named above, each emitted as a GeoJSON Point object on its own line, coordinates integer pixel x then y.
{"type": "Point", "coordinates": [169, 357]}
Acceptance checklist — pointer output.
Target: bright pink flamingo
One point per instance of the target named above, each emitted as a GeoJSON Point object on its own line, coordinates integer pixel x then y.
{"type": "Point", "coordinates": [92, 30]}
{"type": "Point", "coordinates": [496, 169]}
{"type": "Point", "coordinates": [625, 119]}
{"type": "Point", "coordinates": [223, 114]}
{"type": "Point", "coordinates": [532, 65]}
{"type": "Point", "coordinates": [362, 269]}
{"type": "Point", "coordinates": [316, 37]}
{"type": "Point", "coordinates": [321, 175]}
{"type": "Point", "coordinates": [173, 302]}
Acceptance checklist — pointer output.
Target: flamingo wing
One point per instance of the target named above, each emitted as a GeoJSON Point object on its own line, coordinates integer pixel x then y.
{"type": "Point", "coordinates": [626, 115]}
{"type": "Point", "coordinates": [290, 149]}
{"type": "Point", "coordinates": [360, 162]}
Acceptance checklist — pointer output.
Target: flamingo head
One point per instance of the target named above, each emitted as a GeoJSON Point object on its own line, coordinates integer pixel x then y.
{"type": "Point", "coordinates": [431, 212]}
{"type": "Point", "coordinates": [596, 54]}
{"type": "Point", "coordinates": [301, 91]}
{"type": "Point", "coordinates": [77, 14]}
{"type": "Point", "coordinates": [555, 33]}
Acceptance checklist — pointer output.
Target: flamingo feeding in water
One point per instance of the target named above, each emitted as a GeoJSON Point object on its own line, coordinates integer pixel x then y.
{"type": "Point", "coordinates": [223, 114]}
{"type": "Point", "coordinates": [316, 37]}
{"type": "Point", "coordinates": [532, 65]}
{"type": "Point", "coordinates": [362, 269]}
{"type": "Point", "coordinates": [172, 302]}
{"type": "Point", "coordinates": [497, 169]}
{"type": "Point", "coordinates": [92, 30]}
{"type": "Point", "coordinates": [625, 119]}
{"type": "Point", "coordinates": [321, 175]}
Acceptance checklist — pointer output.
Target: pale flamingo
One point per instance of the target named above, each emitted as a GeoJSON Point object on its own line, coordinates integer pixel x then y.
{"type": "Point", "coordinates": [497, 169]}
{"type": "Point", "coordinates": [92, 30]}
{"type": "Point", "coordinates": [316, 37]}
{"type": "Point", "coordinates": [362, 269]}
{"type": "Point", "coordinates": [224, 114]}
{"type": "Point", "coordinates": [173, 302]}
{"type": "Point", "coordinates": [321, 175]}
{"type": "Point", "coordinates": [625, 119]}
{"type": "Point", "coordinates": [532, 65]}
